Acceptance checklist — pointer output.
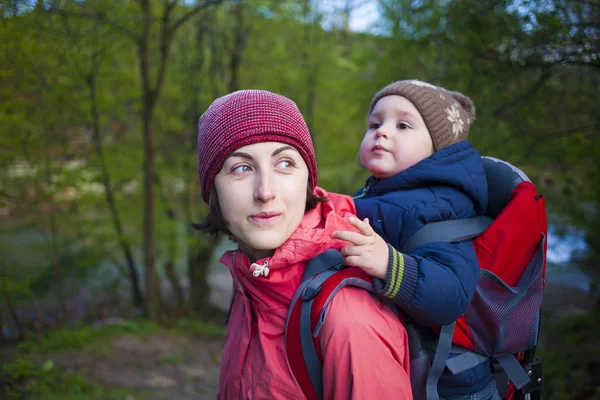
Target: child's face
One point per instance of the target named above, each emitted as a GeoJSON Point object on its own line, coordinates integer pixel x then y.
{"type": "Point", "coordinates": [396, 139]}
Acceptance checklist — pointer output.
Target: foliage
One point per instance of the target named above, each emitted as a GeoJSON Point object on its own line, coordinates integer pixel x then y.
{"type": "Point", "coordinates": [572, 368]}
{"type": "Point", "coordinates": [87, 337]}
{"type": "Point", "coordinates": [194, 327]}
{"type": "Point", "coordinates": [24, 379]}
{"type": "Point", "coordinates": [72, 108]}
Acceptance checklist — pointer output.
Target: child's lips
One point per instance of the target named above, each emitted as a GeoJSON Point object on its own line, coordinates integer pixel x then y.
{"type": "Point", "coordinates": [377, 149]}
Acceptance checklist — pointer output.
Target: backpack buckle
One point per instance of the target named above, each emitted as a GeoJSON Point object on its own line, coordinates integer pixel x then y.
{"type": "Point", "coordinates": [534, 371]}
{"type": "Point", "coordinates": [310, 292]}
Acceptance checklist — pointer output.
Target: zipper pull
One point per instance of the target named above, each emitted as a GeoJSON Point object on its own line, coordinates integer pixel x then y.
{"type": "Point", "coordinates": [258, 270]}
{"type": "Point", "coordinates": [365, 189]}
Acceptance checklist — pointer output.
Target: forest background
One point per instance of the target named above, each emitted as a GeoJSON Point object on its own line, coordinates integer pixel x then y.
{"type": "Point", "coordinates": [105, 289]}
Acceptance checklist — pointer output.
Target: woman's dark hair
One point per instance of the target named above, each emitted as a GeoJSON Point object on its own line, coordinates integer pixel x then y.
{"type": "Point", "coordinates": [214, 222]}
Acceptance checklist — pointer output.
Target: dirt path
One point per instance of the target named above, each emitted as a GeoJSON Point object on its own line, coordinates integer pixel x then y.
{"type": "Point", "coordinates": [158, 367]}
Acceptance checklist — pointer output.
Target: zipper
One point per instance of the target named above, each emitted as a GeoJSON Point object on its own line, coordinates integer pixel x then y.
{"type": "Point", "coordinates": [364, 192]}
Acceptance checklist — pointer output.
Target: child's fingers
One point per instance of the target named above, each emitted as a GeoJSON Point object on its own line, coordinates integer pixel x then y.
{"type": "Point", "coordinates": [352, 261]}
{"type": "Point", "coordinates": [363, 226]}
{"type": "Point", "coordinates": [352, 237]}
{"type": "Point", "coordinates": [352, 251]}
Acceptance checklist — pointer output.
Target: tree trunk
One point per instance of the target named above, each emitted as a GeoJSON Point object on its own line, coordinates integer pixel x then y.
{"type": "Point", "coordinates": [151, 94]}
{"type": "Point", "coordinates": [56, 265]}
{"type": "Point", "coordinates": [174, 281]}
{"type": "Point", "coordinates": [198, 270]}
{"type": "Point", "coordinates": [310, 69]}
{"type": "Point", "coordinates": [199, 288]}
{"type": "Point", "coordinates": [170, 264]}
{"type": "Point", "coordinates": [14, 315]}
{"type": "Point", "coordinates": [2, 338]}
{"type": "Point", "coordinates": [153, 295]}
{"type": "Point", "coordinates": [136, 292]}
{"type": "Point", "coordinates": [239, 44]}
{"type": "Point", "coordinates": [54, 259]}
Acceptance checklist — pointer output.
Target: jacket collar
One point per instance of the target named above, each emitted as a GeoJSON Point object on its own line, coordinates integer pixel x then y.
{"type": "Point", "coordinates": [458, 165]}
{"type": "Point", "coordinates": [287, 264]}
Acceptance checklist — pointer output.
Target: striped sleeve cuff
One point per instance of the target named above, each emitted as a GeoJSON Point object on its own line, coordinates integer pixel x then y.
{"type": "Point", "coordinates": [401, 280]}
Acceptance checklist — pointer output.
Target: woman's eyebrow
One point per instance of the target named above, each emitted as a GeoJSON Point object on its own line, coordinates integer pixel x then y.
{"type": "Point", "coordinates": [279, 150]}
{"type": "Point", "coordinates": [241, 154]}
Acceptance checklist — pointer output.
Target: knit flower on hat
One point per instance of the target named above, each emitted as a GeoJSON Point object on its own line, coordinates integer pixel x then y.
{"type": "Point", "coordinates": [455, 120]}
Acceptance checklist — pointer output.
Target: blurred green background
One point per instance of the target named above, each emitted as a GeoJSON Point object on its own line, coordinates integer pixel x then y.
{"type": "Point", "coordinates": [105, 290]}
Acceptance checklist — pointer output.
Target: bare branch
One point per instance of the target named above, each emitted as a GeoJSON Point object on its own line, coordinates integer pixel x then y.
{"type": "Point", "coordinates": [99, 16]}
{"type": "Point", "coordinates": [177, 24]}
{"type": "Point", "coordinates": [169, 6]}
{"type": "Point", "coordinates": [582, 130]}
{"type": "Point", "coordinates": [544, 77]}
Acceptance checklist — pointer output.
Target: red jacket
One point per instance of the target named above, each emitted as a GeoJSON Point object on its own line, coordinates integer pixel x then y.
{"type": "Point", "coordinates": [365, 347]}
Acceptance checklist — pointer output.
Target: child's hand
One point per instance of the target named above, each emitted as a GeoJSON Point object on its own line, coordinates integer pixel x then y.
{"type": "Point", "coordinates": [368, 251]}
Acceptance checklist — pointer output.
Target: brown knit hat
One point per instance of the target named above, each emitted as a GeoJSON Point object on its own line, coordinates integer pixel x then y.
{"type": "Point", "coordinates": [448, 115]}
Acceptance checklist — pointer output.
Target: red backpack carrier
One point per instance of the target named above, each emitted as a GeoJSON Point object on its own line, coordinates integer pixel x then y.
{"type": "Point", "coordinates": [502, 320]}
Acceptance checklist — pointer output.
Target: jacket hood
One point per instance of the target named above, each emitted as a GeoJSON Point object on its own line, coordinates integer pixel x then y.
{"type": "Point", "coordinates": [458, 165]}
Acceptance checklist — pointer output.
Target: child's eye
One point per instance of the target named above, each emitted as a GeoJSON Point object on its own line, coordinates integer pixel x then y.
{"type": "Point", "coordinates": [402, 125]}
{"type": "Point", "coordinates": [374, 125]}
{"type": "Point", "coordinates": [241, 169]}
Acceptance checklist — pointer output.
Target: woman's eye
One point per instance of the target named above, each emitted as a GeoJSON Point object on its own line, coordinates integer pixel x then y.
{"type": "Point", "coordinates": [402, 125]}
{"type": "Point", "coordinates": [285, 164]}
{"type": "Point", "coordinates": [240, 169]}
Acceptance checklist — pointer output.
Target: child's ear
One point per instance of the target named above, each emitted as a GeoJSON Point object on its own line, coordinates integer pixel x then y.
{"type": "Point", "coordinates": [466, 104]}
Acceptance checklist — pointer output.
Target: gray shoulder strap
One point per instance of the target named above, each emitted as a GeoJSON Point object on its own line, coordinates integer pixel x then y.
{"type": "Point", "coordinates": [457, 230]}
{"type": "Point", "coordinates": [331, 258]}
{"type": "Point", "coordinates": [513, 369]}
{"type": "Point", "coordinates": [311, 360]}
{"type": "Point", "coordinates": [318, 270]}
{"type": "Point", "coordinates": [439, 360]}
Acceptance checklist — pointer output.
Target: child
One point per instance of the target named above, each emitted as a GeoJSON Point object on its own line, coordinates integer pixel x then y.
{"type": "Point", "coordinates": [423, 171]}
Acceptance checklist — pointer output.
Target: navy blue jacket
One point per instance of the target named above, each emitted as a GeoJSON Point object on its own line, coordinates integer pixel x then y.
{"type": "Point", "coordinates": [436, 282]}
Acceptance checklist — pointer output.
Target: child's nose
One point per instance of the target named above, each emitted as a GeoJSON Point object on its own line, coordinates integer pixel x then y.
{"type": "Point", "coordinates": [380, 133]}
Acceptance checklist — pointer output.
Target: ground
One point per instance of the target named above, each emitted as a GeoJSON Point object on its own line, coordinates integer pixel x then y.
{"type": "Point", "coordinates": [169, 365]}
{"type": "Point", "coordinates": [159, 367]}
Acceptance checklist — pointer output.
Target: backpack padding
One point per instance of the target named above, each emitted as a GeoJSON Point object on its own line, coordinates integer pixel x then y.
{"type": "Point", "coordinates": [301, 333]}
{"type": "Point", "coordinates": [502, 178]}
{"type": "Point", "coordinates": [511, 242]}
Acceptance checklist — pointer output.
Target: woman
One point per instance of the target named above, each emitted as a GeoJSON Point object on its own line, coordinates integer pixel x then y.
{"type": "Point", "coordinates": [258, 174]}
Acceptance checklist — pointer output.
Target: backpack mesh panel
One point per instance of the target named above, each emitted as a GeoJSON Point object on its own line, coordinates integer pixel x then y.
{"type": "Point", "coordinates": [419, 371]}
{"type": "Point", "coordinates": [507, 316]}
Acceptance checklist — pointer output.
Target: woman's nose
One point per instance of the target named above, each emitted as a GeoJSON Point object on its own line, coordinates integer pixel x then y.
{"type": "Point", "coordinates": [265, 187]}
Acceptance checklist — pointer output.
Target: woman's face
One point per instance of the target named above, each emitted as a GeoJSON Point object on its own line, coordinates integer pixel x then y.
{"type": "Point", "coordinates": [262, 195]}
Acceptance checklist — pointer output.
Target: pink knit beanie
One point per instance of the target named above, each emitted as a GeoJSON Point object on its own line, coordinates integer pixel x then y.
{"type": "Point", "coordinates": [246, 117]}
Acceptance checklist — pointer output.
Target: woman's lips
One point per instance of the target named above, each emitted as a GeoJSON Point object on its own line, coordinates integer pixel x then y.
{"type": "Point", "coordinates": [265, 218]}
